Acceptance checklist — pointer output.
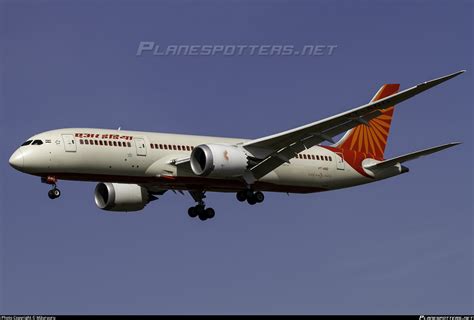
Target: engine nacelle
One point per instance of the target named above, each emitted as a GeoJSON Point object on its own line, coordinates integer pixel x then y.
{"type": "Point", "coordinates": [121, 197]}
{"type": "Point", "coordinates": [218, 160]}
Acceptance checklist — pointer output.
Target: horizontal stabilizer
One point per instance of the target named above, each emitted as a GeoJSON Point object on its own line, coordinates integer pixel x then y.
{"type": "Point", "coordinates": [410, 156]}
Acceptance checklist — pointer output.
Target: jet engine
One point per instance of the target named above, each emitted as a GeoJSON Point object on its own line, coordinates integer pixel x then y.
{"type": "Point", "coordinates": [218, 160]}
{"type": "Point", "coordinates": [121, 197]}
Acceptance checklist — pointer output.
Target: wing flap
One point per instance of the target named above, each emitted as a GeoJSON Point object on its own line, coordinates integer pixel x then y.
{"type": "Point", "coordinates": [283, 155]}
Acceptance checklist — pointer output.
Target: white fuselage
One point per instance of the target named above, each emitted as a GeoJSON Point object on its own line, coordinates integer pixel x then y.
{"type": "Point", "coordinates": [148, 158]}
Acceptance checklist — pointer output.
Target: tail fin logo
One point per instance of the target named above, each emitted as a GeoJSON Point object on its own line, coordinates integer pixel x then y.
{"type": "Point", "coordinates": [371, 139]}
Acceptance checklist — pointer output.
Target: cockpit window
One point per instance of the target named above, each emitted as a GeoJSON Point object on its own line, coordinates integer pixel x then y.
{"type": "Point", "coordinates": [37, 142]}
{"type": "Point", "coordinates": [26, 143]}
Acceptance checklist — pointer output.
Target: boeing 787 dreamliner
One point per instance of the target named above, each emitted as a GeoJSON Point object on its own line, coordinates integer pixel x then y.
{"type": "Point", "coordinates": [133, 168]}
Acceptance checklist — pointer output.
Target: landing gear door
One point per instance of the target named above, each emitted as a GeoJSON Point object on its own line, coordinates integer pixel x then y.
{"type": "Point", "coordinates": [141, 147]}
{"type": "Point", "coordinates": [69, 143]}
{"type": "Point", "coordinates": [340, 161]}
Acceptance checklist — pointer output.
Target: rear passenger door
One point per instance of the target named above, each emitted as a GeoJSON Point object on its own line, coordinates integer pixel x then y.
{"type": "Point", "coordinates": [340, 161]}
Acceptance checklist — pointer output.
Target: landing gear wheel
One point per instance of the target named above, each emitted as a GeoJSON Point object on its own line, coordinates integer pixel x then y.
{"type": "Point", "coordinates": [54, 193]}
{"type": "Point", "coordinates": [259, 197]}
{"type": "Point", "coordinates": [210, 213]}
{"type": "Point", "coordinates": [200, 210]}
{"type": "Point", "coordinates": [252, 200]}
{"type": "Point", "coordinates": [248, 193]}
{"type": "Point", "coordinates": [192, 212]}
{"type": "Point", "coordinates": [242, 195]}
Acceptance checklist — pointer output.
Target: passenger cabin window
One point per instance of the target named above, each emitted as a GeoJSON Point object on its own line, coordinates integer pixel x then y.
{"type": "Point", "coordinates": [26, 143]}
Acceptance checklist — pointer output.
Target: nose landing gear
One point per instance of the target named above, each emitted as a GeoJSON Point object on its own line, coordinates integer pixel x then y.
{"type": "Point", "coordinates": [54, 192]}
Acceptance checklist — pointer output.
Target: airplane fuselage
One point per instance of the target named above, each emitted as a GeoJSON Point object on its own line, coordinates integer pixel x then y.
{"type": "Point", "coordinates": [146, 158]}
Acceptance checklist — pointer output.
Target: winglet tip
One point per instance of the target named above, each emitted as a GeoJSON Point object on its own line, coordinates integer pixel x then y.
{"type": "Point", "coordinates": [452, 75]}
{"type": "Point", "coordinates": [452, 144]}
{"type": "Point", "coordinates": [455, 74]}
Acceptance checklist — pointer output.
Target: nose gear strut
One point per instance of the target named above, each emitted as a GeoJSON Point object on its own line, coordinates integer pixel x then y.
{"type": "Point", "coordinates": [54, 192]}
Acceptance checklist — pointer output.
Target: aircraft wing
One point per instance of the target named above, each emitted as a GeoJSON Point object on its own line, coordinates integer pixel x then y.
{"type": "Point", "coordinates": [410, 156]}
{"type": "Point", "coordinates": [274, 150]}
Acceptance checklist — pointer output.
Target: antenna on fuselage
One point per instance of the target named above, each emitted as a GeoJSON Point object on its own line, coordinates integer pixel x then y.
{"type": "Point", "coordinates": [119, 128]}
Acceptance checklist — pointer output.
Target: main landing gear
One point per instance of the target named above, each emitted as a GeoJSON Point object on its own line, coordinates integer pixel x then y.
{"type": "Point", "coordinates": [54, 192]}
{"type": "Point", "coordinates": [200, 209]}
{"type": "Point", "coordinates": [251, 197]}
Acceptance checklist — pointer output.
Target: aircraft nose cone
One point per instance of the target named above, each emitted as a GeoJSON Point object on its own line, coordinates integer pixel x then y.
{"type": "Point", "coordinates": [16, 160]}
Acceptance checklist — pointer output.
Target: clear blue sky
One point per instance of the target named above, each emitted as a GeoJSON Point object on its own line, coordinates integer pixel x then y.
{"type": "Point", "coordinates": [403, 245]}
